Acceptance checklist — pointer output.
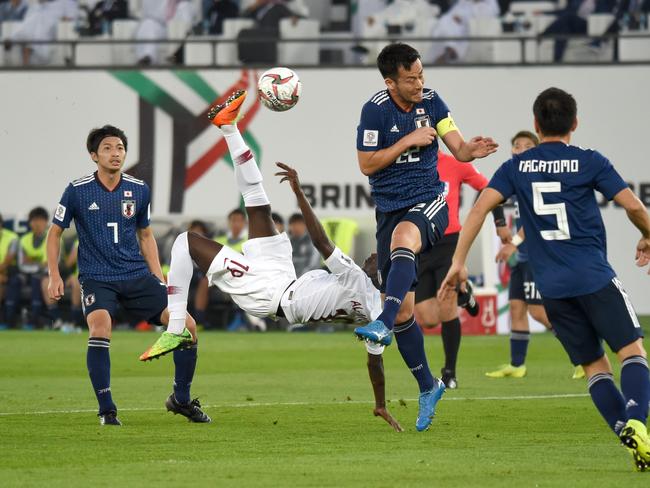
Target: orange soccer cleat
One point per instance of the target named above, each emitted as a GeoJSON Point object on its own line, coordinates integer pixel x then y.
{"type": "Point", "coordinates": [228, 113]}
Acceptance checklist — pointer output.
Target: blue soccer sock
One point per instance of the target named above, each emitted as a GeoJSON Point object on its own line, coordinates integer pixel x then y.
{"type": "Point", "coordinates": [635, 383]}
{"type": "Point", "coordinates": [398, 282]}
{"type": "Point", "coordinates": [608, 400]}
{"type": "Point", "coordinates": [185, 362]}
{"type": "Point", "coordinates": [410, 343]}
{"type": "Point", "coordinates": [518, 347]}
{"type": "Point", "coordinates": [98, 360]}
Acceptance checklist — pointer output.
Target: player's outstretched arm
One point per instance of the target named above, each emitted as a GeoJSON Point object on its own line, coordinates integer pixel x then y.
{"type": "Point", "coordinates": [372, 161]}
{"type": "Point", "coordinates": [466, 151]}
{"type": "Point", "coordinates": [55, 286]}
{"type": "Point", "coordinates": [376, 373]}
{"type": "Point", "coordinates": [149, 251]}
{"type": "Point", "coordinates": [314, 227]}
{"type": "Point", "coordinates": [487, 200]}
{"type": "Point", "coordinates": [638, 215]}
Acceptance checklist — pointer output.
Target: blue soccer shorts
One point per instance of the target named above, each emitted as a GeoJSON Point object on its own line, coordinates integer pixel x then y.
{"type": "Point", "coordinates": [144, 298]}
{"type": "Point", "coordinates": [430, 217]}
{"type": "Point", "coordinates": [583, 322]}
{"type": "Point", "coordinates": [522, 285]}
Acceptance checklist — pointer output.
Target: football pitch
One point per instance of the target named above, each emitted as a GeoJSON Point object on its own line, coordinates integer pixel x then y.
{"type": "Point", "coordinates": [296, 410]}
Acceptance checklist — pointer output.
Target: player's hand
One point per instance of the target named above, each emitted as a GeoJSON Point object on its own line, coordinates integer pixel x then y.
{"type": "Point", "coordinates": [643, 253]}
{"type": "Point", "coordinates": [289, 174]}
{"type": "Point", "coordinates": [422, 136]}
{"type": "Point", "coordinates": [480, 146]}
{"type": "Point", "coordinates": [504, 234]}
{"type": "Point", "coordinates": [55, 288]}
{"type": "Point", "coordinates": [505, 252]}
{"type": "Point", "coordinates": [457, 275]}
{"type": "Point", "coordinates": [383, 413]}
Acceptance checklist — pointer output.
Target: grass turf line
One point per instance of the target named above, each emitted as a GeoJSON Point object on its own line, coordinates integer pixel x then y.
{"type": "Point", "coordinates": [550, 442]}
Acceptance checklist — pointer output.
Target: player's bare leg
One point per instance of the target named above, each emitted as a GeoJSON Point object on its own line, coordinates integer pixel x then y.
{"type": "Point", "coordinates": [98, 361]}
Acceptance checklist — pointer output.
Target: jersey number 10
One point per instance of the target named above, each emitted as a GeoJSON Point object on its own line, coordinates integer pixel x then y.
{"type": "Point", "coordinates": [558, 209]}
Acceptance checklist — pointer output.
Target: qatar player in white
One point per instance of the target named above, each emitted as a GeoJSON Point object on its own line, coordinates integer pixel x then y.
{"type": "Point", "coordinates": [261, 280]}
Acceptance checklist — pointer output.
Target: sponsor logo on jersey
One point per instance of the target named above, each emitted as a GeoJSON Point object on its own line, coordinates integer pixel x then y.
{"type": "Point", "coordinates": [370, 138]}
{"type": "Point", "coordinates": [394, 128]}
{"type": "Point", "coordinates": [128, 194]}
{"type": "Point", "coordinates": [89, 300]}
{"type": "Point", "coordinates": [93, 206]}
{"type": "Point", "coordinates": [128, 208]}
{"type": "Point", "coordinates": [59, 213]}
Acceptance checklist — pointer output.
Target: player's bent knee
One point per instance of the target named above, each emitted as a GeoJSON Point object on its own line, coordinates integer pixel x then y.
{"type": "Point", "coordinates": [633, 349]}
{"type": "Point", "coordinates": [600, 365]}
{"type": "Point", "coordinates": [407, 235]}
{"type": "Point", "coordinates": [99, 323]}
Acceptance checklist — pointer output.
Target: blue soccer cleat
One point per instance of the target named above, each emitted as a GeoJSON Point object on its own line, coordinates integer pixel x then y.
{"type": "Point", "coordinates": [375, 332]}
{"type": "Point", "coordinates": [427, 405]}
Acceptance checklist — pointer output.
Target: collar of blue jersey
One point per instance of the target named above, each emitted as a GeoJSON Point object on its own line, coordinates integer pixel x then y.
{"type": "Point", "coordinates": [99, 182]}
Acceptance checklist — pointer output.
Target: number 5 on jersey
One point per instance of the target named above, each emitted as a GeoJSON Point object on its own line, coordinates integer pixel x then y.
{"type": "Point", "coordinates": [558, 209]}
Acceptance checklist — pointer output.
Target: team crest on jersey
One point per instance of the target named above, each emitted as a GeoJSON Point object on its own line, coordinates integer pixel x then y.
{"type": "Point", "coordinates": [89, 300]}
{"type": "Point", "coordinates": [423, 121]}
{"type": "Point", "coordinates": [128, 208]}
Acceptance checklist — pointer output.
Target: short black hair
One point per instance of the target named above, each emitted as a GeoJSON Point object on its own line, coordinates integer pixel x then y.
{"type": "Point", "coordinates": [199, 223]}
{"type": "Point", "coordinates": [97, 135]}
{"type": "Point", "coordinates": [395, 55]}
{"type": "Point", "coordinates": [237, 211]}
{"type": "Point", "coordinates": [38, 213]}
{"type": "Point", "coordinates": [555, 112]}
{"type": "Point", "coordinates": [277, 218]}
{"type": "Point", "coordinates": [297, 217]}
{"type": "Point", "coordinates": [527, 134]}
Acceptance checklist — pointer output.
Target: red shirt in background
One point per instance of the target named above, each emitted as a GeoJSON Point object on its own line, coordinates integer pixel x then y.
{"type": "Point", "coordinates": [454, 173]}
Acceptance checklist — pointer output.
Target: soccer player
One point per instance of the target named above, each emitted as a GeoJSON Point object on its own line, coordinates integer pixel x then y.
{"type": "Point", "coordinates": [435, 262]}
{"type": "Point", "coordinates": [523, 293]}
{"type": "Point", "coordinates": [118, 263]}
{"type": "Point", "coordinates": [261, 279]}
{"type": "Point", "coordinates": [586, 303]}
{"type": "Point", "coordinates": [397, 147]}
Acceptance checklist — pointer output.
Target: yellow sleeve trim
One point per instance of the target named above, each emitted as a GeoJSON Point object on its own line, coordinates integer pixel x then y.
{"type": "Point", "coordinates": [445, 126]}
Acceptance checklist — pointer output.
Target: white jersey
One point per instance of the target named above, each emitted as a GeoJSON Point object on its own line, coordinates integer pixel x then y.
{"type": "Point", "coordinates": [344, 295]}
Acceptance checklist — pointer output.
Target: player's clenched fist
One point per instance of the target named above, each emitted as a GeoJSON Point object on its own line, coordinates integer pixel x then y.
{"type": "Point", "coordinates": [422, 136]}
{"type": "Point", "coordinates": [55, 288]}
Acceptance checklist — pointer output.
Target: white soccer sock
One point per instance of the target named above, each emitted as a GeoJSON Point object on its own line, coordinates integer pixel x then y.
{"type": "Point", "coordinates": [247, 174]}
{"type": "Point", "coordinates": [178, 284]}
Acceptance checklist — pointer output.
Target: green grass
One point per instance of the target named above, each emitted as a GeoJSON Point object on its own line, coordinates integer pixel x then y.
{"type": "Point", "coordinates": [295, 410]}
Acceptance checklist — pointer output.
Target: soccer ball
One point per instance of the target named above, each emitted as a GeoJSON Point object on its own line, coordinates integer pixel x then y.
{"type": "Point", "coordinates": [279, 89]}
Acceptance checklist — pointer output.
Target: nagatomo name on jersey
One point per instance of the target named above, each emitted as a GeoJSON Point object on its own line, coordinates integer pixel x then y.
{"type": "Point", "coordinates": [413, 177]}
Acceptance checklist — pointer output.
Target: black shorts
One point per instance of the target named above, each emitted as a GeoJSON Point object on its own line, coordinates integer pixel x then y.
{"type": "Point", "coordinates": [430, 217]}
{"type": "Point", "coordinates": [583, 322]}
{"type": "Point", "coordinates": [433, 268]}
{"type": "Point", "coordinates": [522, 285]}
{"type": "Point", "coordinates": [145, 298]}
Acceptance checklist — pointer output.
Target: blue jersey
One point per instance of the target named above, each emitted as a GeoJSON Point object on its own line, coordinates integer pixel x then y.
{"type": "Point", "coordinates": [413, 177]}
{"type": "Point", "coordinates": [106, 223]}
{"type": "Point", "coordinates": [554, 184]}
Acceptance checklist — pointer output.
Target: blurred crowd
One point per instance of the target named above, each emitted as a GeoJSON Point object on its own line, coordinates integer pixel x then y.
{"type": "Point", "coordinates": [432, 19]}
{"type": "Point", "coordinates": [23, 273]}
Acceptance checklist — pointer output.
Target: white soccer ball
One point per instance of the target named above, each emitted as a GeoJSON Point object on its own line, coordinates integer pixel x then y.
{"type": "Point", "coordinates": [279, 89]}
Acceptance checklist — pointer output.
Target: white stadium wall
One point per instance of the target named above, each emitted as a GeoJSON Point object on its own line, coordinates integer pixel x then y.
{"type": "Point", "coordinates": [45, 117]}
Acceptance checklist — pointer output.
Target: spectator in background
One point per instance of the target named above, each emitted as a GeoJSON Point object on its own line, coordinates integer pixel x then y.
{"type": "Point", "coordinates": [39, 24]}
{"type": "Point", "coordinates": [305, 256]}
{"type": "Point", "coordinates": [102, 15]}
{"type": "Point", "coordinates": [155, 14]}
{"type": "Point", "coordinates": [9, 283]}
{"type": "Point", "coordinates": [278, 221]}
{"type": "Point", "coordinates": [219, 11]}
{"type": "Point", "coordinates": [237, 230]}
{"type": "Point", "coordinates": [269, 13]}
{"type": "Point", "coordinates": [13, 10]}
{"type": "Point", "coordinates": [573, 20]}
{"type": "Point", "coordinates": [32, 263]}
{"type": "Point", "coordinates": [455, 23]}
